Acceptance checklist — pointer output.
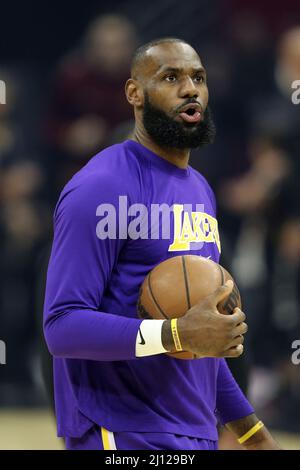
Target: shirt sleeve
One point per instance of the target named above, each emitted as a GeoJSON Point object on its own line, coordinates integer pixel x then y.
{"type": "Point", "coordinates": [79, 271]}
{"type": "Point", "coordinates": [231, 402]}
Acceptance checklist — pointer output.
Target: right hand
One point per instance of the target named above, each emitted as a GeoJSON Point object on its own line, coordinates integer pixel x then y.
{"type": "Point", "coordinates": [206, 332]}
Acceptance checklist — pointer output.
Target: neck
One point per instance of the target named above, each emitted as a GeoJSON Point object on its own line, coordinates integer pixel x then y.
{"type": "Point", "coordinates": [178, 157]}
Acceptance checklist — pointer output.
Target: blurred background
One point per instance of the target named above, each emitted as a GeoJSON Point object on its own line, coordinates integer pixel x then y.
{"type": "Point", "coordinates": [64, 66]}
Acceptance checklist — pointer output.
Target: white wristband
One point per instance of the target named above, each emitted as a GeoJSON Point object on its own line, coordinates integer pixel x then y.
{"type": "Point", "coordinates": [148, 340]}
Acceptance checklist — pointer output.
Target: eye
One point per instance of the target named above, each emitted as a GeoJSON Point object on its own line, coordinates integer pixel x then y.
{"type": "Point", "coordinates": [199, 78]}
{"type": "Point", "coordinates": [170, 77]}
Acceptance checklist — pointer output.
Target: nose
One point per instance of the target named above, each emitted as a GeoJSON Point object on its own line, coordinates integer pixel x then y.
{"type": "Point", "coordinates": [188, 89]}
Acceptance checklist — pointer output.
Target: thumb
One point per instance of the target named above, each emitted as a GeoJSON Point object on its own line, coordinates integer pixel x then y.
{"type": "Point", "coordinates": [222, 292]}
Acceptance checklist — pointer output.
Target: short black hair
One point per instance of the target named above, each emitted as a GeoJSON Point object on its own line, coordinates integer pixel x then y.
{"type": "Point", "coordinates": [140, 52]}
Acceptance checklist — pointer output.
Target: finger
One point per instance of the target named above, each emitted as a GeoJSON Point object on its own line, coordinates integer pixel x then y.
{"type": "Point", "coordinates": [236, 341]}
{"type": "Point", "coordinates": [235, 351]}
{"type": "Point", "coordinates": [238, 316]}
{"type": "Point", "coordinates": [222, 292]}
{"type": "Point", "coordinates": [240, 329]}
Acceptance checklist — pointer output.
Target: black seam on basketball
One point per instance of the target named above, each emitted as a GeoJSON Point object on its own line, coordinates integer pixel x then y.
{"type": "Point", "coordinates": [186, 282]}
{"type": "Point", "coordinates": [142, 311]}
{"type": "Point", "coordinates": [222, 274]}
{"type": "Point", "coordinates": [228, 304]}
{"type": "Point", "coordinates": [154, 299]}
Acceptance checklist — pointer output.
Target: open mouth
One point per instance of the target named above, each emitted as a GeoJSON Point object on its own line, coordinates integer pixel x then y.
{"type": "Point", "coordinates": [191, 114]}
{"type": "Point", "coordinates": [190, 111]}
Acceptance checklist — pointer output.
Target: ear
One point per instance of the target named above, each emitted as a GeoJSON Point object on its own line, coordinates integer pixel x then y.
{"type": "Point", "coordinates": [134, 92]}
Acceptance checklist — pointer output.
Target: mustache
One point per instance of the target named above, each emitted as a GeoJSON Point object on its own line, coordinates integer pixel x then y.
{"type": "Point", "coordinates": [187, 102]}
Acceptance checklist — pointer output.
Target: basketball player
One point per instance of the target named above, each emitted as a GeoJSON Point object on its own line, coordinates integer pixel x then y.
{"type": "Point", "coordinates": [115, 388]}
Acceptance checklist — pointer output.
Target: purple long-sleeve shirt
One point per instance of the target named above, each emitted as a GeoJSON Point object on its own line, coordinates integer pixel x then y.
{"type": "Point", "coordinates": [107, 237]}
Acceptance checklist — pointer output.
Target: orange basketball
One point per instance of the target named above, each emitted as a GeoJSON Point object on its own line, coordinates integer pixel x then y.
{"type": "Point", "coordinates": [177, 284]}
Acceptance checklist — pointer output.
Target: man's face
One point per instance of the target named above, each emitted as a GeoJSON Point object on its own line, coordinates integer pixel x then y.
{"type": "Point", "coordinates": [175, 112]}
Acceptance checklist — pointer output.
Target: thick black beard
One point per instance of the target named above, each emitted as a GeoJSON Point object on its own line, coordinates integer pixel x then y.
{"type": "Point", "coordinates": [166, 132]}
